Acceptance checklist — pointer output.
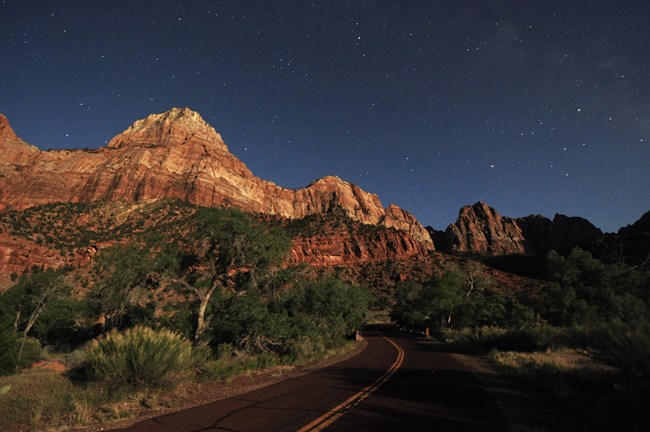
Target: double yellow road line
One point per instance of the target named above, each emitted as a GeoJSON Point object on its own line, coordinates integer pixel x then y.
{"type": "Point", "coordinates": [332, 415]}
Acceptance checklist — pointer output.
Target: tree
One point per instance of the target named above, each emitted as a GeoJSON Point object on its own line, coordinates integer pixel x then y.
{"type": "Point", "coordinates": [227, 250]}
{"type": "Point", "coordinates": [329, 306]}
{"type": "Point", "coordinates": [124, 275]}
{"type": "Point", "coordinates": [433, 304]}
{"type": "Point", "coordinates": [29, 298]}
{"type": "Point", "coordinates": [443, 297]}
{"type": "Point", "coordinates": [584, 289]}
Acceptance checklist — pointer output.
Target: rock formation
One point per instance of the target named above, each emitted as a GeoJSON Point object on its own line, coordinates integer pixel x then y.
{"type": "Point", "coordinates": [640, 227]}
{"type": "Point", "coordinates": [176, 154]}
{"type": "Point", "coordinates": [13, 148]}
{"type": "Point", "coordinates": [480, 229]}
{"type": "Point", "coordinates": [18, 254]}
{"type": "Point", "coordinates": [343, 248]}
{"type": "Point", "coordinates": [562, 231]}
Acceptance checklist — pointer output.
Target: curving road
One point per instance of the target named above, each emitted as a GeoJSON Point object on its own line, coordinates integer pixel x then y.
{"type": "Point", "coordinates": [395, 384]}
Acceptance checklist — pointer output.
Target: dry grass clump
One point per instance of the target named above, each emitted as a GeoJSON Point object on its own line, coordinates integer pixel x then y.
{"type": "Point", "coordinates": [140, 357]}
{"type": "Point", "coordinates": [562, 359]}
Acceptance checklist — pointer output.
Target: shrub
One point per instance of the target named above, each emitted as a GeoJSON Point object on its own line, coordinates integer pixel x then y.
{"type": "Point", "coordinates": [9, 347]}
{"type": "Point", "coordinates": [532, 338]}
{"type": "Point", "coordinates": [626, 347]}
{"type": "Point", "coordinates": [139, 357]}
{"type": "Point", "coordinates": [226, 367]}
{"type": "Point", "coordinates": [305, 348]}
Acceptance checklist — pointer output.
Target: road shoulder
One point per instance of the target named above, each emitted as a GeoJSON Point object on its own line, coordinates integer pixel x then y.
{"type": "Point", "coordinates": [524, 408]}
{"type": "Point", "coordinates": [191, 394]}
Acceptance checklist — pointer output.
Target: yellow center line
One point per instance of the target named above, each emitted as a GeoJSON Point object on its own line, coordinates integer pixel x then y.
{"type": "Point", "coordinates": [332, 415]}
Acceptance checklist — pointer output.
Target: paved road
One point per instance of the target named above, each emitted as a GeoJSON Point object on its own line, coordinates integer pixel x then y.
{"type": "Point", "coordinates": [395, 384]}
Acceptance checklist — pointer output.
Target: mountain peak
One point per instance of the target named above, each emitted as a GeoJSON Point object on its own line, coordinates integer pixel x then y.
{"type": "Point", "coordinates": [6, 131]}
{"type": "Point", "coordinates": [12, 148]}
{"type": "Point", "coordinates": [176, 126]}
{"type": "Point", "coordinates": [329, 180]}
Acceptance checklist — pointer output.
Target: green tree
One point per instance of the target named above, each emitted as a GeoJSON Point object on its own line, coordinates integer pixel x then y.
{"type": "Point", "coordinates": [228, 250]}
{"type": "Point", "coordinates": [66, 323]}
{"type": "Point", "coordinates": [583, 289]}
{"type": "Point", "coordinates": [328, 306]}
{"type": "Point", "coordinates": [407, 310]}
{"type": "Point", "coordinates": [436, 303]}
{"type": "Point", "coordinates": [124, 274]}
{"type": "Point", "coordinates": [321, 312]}
{"type": "Point", "coordinates": [29, 299]}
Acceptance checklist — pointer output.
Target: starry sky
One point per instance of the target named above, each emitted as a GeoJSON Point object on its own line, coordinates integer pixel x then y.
{"type": "Point", "coordinates": [531, 106]}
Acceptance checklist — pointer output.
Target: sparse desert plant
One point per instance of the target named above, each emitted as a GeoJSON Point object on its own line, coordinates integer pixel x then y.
{"type": "Point", "coordinates": [305, 348]}
{"type": "Point", "coordinates": [139, 357]}
{"type": "Point", "coordinates": [533, 338]}
{"type": "Point", "coordinates": [82, 413]}
{"type": "Point", "coordinates": [627, 347]}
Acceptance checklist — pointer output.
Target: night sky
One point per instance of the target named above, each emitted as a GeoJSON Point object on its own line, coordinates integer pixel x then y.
{"type": "Point", "coordinates": [531, 106]}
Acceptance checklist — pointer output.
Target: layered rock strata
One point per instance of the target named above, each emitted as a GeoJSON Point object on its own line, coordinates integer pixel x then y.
{"type": "Point", "coordinates": [176, 154]}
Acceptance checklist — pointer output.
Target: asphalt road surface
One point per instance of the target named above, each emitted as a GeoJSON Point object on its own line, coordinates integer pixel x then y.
{"type": "Point", "coordinates": [395, 384]}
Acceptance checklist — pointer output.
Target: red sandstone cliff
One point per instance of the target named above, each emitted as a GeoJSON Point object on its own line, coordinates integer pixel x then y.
{"type": "Point", "coordinates": [341, 248]}
{"type": "Point", "coordinates": [479, 228]}
{"type": "Point", "coordinates": [176, 154]}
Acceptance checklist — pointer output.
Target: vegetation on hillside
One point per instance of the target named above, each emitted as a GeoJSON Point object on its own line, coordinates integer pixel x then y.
{"type": "Point", "coordinates": [201, 293]}
{"type": "Point", "coordinates": [580, 290]}
{"type": "Point", "coordinates": [195, 293]}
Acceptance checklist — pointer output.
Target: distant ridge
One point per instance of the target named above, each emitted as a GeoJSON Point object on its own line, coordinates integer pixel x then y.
{"type": "Point", "coordinates": [481, 229]}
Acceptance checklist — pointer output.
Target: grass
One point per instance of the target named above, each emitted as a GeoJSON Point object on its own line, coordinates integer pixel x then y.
{"type": "Point", "coordinates": [581, 387]}
{"type": "Point", "coordinates": [228, 367]}
{"type": "Point", "coordinates": [304, 351]}
{"type": "Point", "coordinates": [27, 396]}
{"type": "Point", "coordinates": [559, 371]}
{"type": "Point", "coordinates": [563, 359]}
{"type": "Point", "coordinates": [41, 398]}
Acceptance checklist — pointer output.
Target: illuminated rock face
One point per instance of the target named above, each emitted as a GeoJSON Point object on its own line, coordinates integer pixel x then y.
{"type": "Point", "coordinates": [176, 154]}
{"type": "Point", "coordinates": [480, 229]}
{"type": "Point", "coordinates": [341, 248]}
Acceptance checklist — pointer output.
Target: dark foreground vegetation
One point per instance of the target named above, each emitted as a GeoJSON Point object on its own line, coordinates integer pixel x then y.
{"type": "Point", "coordinates": [201, 297]}
{"type": "Point", "coordinates": [584, 341]}
{"type": "Point", "coordinates": [180, 294]}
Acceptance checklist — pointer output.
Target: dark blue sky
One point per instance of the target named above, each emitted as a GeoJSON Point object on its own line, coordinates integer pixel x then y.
{"type": "Point", "coordinates": [531, 106]}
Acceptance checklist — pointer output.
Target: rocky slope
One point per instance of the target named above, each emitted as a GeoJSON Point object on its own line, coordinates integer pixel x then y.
{"type": "Point", "coordinates": [480, 229]}
{"type": "Point", "coordinates": [71, 235]}
{"type": "Point", "coordinates": [339, 241]}
{"type": "Point", "coordinates": [176, 154]}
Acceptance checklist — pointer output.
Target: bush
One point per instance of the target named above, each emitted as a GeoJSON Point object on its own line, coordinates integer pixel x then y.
{"type": "Point", "coordinates": [306, 348]}
{"type": "Point", "coordinates": [139, 357]}
{"type": "Point", "coordinates": [9, 347]}
{"type": "Point", "coordinates": [626, 347]}
{"type": "Point", "coordinates": [533, 338]}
